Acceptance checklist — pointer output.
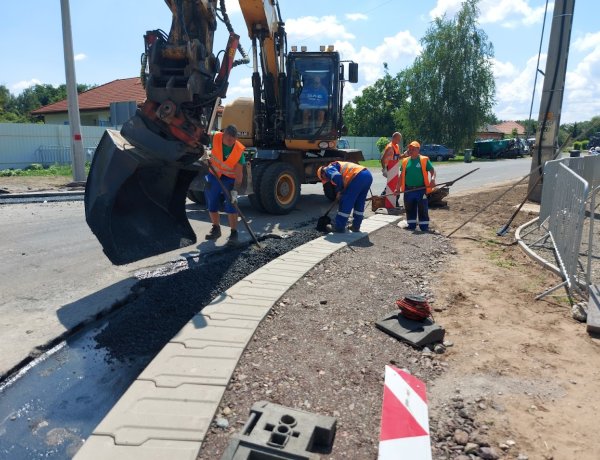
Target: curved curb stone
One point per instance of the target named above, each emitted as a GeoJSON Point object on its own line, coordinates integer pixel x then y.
{"type": "Point", "coordinates": [167, 411]}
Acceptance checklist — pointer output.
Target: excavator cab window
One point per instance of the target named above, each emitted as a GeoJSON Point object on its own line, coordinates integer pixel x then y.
{"type": "Point", "coordinates": [313, 95]}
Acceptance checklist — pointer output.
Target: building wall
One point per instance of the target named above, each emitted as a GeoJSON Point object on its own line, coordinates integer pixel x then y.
{"type": "Point", "coordinates": [91, 118]}
{"type": "Point", "coordinates": [22, 144]}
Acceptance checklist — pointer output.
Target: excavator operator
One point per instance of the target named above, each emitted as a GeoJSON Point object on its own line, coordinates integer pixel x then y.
{"type": "Point", "coordinates": [227, 160]}
{"type": "Point", "coordinates": [313, 101]}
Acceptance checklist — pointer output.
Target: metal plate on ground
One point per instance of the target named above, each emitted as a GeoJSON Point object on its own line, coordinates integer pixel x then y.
{"type": "Point", "coordinates": [416, 333]}
{"type": "Point", "coordinates": [275, 432]}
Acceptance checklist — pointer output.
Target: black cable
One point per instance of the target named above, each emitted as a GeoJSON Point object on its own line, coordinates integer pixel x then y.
{"type": "Point", "coordinates": [537, 67]}
{"type": "Point", "coordinates": [245, 58]}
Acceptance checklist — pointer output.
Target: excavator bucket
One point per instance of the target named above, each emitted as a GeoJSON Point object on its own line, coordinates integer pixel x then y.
{"type": "Point", "coordinates": [136, 192]}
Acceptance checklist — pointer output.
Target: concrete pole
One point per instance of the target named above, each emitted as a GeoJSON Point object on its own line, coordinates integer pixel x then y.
{"type": "Point", "coordinates": [77, 157]}
{"type": "Point", "coordinates": [553, 92]}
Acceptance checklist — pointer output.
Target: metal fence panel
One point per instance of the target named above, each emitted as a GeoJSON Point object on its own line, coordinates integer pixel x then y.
{"type": "Point", "coordinates": [566, 218]}
{"type": "Point", "coordinates": [550, 173]}
{"type": "Point", "coordinates": [20, 142]}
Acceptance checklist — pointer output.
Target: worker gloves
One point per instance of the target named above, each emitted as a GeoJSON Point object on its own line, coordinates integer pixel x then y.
{"type": "Point", "coordinates": [206, 157]}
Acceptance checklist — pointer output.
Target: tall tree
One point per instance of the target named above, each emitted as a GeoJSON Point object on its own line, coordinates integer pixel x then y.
{"type": "Point", "coordinates": [451, 83]}
{"type": "Point", "coordinates": [373, 113]}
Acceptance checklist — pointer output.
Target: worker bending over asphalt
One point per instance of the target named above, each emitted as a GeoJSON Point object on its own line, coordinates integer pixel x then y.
{"type": "Point", "coordinates": [352, 182]}
{"type": "Point", "coordinates": [227, 159]}
{"type": "Point", "coordinates": [415, 173]}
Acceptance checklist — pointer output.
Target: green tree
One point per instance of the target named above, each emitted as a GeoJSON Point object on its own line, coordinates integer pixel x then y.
{"type": "Point", "coordinates": [38, 96]}
{"type": "Point", "coordinates": [451, 84]}
{"type": "Point", "coordinates": [373, 112]}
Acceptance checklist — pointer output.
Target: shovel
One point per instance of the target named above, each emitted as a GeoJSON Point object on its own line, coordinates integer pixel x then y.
{"type": "Point", "coordinates": [235, 205]}
{"type": "Point", "coordinates": [325, 220]}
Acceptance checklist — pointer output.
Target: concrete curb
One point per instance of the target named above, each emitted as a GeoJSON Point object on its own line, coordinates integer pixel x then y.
{"type": "Point", "coordinates": [167, 411]}
{"type": "Point", "coordinates": [41, 194]}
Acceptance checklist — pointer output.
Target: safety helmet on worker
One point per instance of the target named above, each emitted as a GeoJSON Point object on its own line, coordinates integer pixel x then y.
{"type": "Point", "coordinates": [320, 175]}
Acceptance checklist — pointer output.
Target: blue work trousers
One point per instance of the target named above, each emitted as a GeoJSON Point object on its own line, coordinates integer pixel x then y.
{"type": "Point", "coordinates": [416, 203]}
{"type": "Point", "coordinates": [354, 197]}
{"type": "Point", "coordinates": [214, 193]}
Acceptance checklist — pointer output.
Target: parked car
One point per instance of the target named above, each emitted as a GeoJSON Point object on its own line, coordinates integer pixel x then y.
{"type": "Point", "coordinates": [437, 152]}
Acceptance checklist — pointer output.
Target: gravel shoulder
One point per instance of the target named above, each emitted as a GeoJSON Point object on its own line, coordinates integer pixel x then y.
{"type": "Point", "coordinates": [517, 382]}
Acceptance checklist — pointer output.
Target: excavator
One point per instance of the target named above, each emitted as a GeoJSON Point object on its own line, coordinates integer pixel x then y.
{"type": "Point", "coordinates": [140, 176]}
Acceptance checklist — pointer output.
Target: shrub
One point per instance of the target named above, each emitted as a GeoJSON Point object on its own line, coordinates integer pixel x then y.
{"type": "Point", "coordinates": [381, 143]}
{"type": "Point", "coordinates": [35, 167]}
{"type": "Point", "coordinates": [585, 144]}
{"type": "Point", "coordinates": [577, 145]}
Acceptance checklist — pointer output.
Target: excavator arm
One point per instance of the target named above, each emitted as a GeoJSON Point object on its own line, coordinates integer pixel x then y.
{"type": "Point", "coordinates": [136, 189]}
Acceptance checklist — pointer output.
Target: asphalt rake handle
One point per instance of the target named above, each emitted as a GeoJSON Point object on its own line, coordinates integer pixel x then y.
{"type": "Point", "coordinates": [235, 205]}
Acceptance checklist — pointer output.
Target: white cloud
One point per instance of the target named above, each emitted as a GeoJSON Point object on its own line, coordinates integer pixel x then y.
{"type": "Point", "coordinates": [509, 13]}
{"type": "Point", "coordinates": [503, 69]}
{"type": "Point", "coordinates": [232, 6]}
{"type": "Point", "coordinates": [398, 51]}
{"type": "Point", "coordinates": [582, 93]}
{"type": "Point", "coordinates": [242, 89]}
{"type": "Point", "coordinates": [312, 26]}
{"type": "Point", "coordinates": [80, 57]}
{"type": "Point", "coordinates": [24, 84]}
{"type": "Point", "coordinates": [357, 16]}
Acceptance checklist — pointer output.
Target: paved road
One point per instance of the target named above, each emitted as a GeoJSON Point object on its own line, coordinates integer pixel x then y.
{"type": "Point", "coordinates": [53, 274]}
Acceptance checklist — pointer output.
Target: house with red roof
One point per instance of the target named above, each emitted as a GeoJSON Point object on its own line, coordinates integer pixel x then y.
{"type": "Point", "coordinates": [507, 128]}
{"type": "Point", "coordinates": [95, 104]}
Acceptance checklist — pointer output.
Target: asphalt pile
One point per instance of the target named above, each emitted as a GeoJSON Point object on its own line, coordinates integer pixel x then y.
{"type": "Point", "coordinates": [162, 305]}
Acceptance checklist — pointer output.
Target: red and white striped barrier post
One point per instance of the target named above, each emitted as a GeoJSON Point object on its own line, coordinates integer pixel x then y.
{"type": "Point", "coordinates": [393, 172]}
{"type": "Point", "coordinates": [404, 418]}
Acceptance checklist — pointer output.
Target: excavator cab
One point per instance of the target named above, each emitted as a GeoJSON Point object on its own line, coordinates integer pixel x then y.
{"type": "Point", "coordinates": [314, 96]}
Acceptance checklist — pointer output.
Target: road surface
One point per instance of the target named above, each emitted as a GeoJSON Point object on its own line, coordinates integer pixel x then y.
{"type": "Point", "coordinates": [54, 276]}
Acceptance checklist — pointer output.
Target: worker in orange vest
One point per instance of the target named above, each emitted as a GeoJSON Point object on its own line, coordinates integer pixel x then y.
{"type": "Point", "coordinates": [352, 183]}
{"type": "Point", "coordinates": [389, 160]}
{"type": "Point", "coordinates": [415, 172]}
{"type": "Point", "coordinates": [227, 159]}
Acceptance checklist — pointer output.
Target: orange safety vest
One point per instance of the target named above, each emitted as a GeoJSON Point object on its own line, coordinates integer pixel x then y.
{"type": "Point", "coordinates": [396, 149]}
{"type": "Point", "coordinates": [226, 167]}
{"type": "Point", "coordinates": [424, 161]}
{"type": "Point", "coordinates": [349, 171]}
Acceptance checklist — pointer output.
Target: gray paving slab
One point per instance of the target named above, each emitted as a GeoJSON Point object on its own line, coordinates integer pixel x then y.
{"type": "Point", "coordinates": [103, 447]}
{"type": "Point", "coordinates": [148, 412]}
{"type": "Point", "coordinates": [178, 365]}
{"type": "Point", "coordinates": [197, 364]}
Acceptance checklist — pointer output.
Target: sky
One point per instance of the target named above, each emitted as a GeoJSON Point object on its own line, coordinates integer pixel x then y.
{"type": "Point", "coordinates": [108, 42]}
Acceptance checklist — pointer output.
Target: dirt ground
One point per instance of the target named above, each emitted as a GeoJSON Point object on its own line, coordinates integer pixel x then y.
{"type": "Point", "coordinates": [24, 184]}
{"type": "Point", "coordinates": [518, 378]}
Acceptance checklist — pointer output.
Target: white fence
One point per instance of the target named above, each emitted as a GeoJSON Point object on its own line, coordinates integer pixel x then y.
{"type": "Point", "coordinates": [366, 144]}
{"type": "Point", "coordinates": [22, 144]}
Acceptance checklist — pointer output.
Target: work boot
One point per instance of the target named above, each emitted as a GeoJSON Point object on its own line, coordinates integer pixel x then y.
{"type": "Point", "coordinates": [354, 229]}
{"type": "Point", "coordinates": [215, 233]}
{"type": "Point", "coordinates": [334, 229]}
{"type": "Point", "coordinates": [233, 239]}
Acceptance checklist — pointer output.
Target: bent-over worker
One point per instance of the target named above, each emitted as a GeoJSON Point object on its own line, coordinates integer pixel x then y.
{"type": "Point", "coordinates": [227, 159]}
{"type": "Point", "coordinates": [415, 172]}
{"type": "Point", "coordinates": [352, 183]}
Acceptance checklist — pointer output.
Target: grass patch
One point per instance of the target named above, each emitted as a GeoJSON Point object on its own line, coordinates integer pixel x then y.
{"type": "Point", "coordinates": [371, 163]}
{"type": "Point", "coordinates": [501, 261]}
{"type": "Point", "coordinates": [37, 169]}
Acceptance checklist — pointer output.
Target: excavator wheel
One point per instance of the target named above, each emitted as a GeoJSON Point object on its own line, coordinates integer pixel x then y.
{"type": "Point", "coordinates": [329, 191]}
{"type": "Point", "coordinates": [279, 188]}
{"type": "Point", "coordinates": [258, 172]}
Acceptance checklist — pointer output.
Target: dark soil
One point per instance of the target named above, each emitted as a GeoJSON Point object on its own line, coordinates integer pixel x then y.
{"type": "Point", "coordinates": [319, 350]}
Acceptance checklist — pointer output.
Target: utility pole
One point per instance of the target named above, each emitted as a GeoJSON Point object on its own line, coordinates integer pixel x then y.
{"type": "Point", "coordinates": [77, 158]}
{"type": "Point", "coordinates": [552, 93]}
